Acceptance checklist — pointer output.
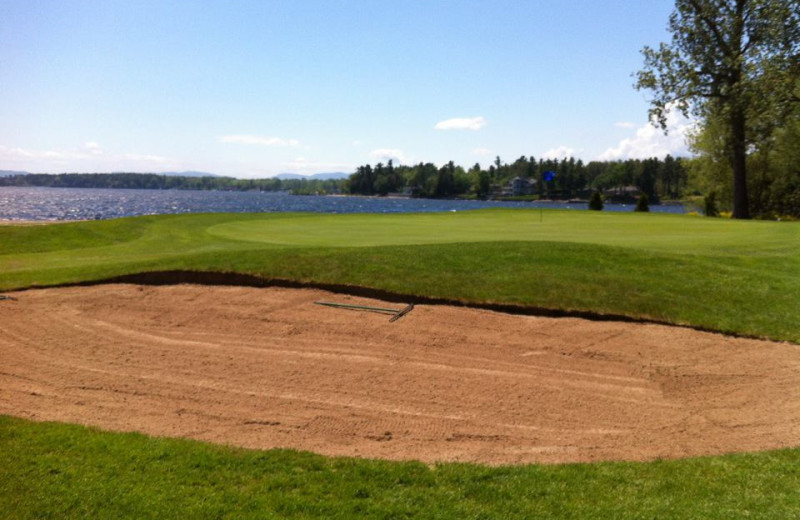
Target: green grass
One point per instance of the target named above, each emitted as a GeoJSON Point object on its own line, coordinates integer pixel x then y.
{"type": "Point", "coordinates": [719, 274]}
{"type": "Point", "coordinates": [62, 471]}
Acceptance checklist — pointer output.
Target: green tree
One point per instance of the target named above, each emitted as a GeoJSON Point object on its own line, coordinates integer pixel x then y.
{"type": "Point", "coordinates": [483, 185]}
{"type": "Point", "coordinates": [643, 204]}
{"type": "Point", "coordinates": [481, 181]}
{"type": "Point", "coordinates": [596, 202]}
{"type": "Point", "coordinates": [445, 183]}
{"type": "Point", "coordinates": [672, 175]}
{"type": "Point", "coordinates": [775, 177]}
{"type": "Point", "coordinates": [362, 182]}
{"type": "Point", "coordinates": [730, 60]}
{"type": "Point", "coordinates": [423, 180]}
{"type": "Point", "coordinates": [710, 205]}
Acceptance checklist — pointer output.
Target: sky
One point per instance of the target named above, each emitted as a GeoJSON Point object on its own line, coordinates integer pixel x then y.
{"type": "Point", "coordinates": [256, 88]}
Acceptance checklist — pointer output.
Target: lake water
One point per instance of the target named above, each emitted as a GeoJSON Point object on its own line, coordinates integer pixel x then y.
{"type": "Point", "coordinates": [83, 204]}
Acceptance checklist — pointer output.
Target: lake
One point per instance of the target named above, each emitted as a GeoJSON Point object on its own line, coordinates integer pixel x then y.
{"type": "Point", "coordinates": [89, 204]}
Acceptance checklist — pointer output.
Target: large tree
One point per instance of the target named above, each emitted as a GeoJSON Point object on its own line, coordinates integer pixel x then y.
{"type": "Point", "coordinates": [733, 61]}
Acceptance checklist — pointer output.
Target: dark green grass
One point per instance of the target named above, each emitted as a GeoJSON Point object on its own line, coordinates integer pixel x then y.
{"type": "Point", "coordinates": [62, 471]}
{"type": "Point", "coordinates": [740, 277]}
{"type": "Point", "coordinates": [67, 236]}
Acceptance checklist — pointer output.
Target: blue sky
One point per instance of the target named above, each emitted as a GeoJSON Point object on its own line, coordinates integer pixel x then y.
{"type": "Point", "coordinates": [256, 88]}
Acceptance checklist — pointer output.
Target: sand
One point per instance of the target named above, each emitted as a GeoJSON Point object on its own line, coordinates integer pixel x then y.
{"type": "Point", "coordinates": [267, 368]}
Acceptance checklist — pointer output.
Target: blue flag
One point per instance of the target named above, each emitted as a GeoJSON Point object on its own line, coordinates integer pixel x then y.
{"type": "Point", "coordinates": [549, 175]}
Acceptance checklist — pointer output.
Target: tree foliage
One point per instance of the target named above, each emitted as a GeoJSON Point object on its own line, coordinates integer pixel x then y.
{"type": "Point", "coordinates": [596, 202]}
{"type": "Point", "coordinates": [643, 204]}
{"type": "Point", "coordinates": [710, 205]}
{"type": "Point", "coordinates": [774, 169]}
{"type": "Point", "coordinates": [731, 61]}
{"type": "Point", "coordinates": [151, 181]}
{"type": "Point", "coordinates": [655, 177]}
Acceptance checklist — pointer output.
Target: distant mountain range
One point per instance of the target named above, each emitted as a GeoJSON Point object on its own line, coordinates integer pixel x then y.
{"type": "Point", "coordinates": [191, 174]}
{"type": "Point", "coordinates": [8, 173]}
{"type": "Point", "coordinates": [282, 176]}
{"type": "Point", "coordinates": [317, 176]}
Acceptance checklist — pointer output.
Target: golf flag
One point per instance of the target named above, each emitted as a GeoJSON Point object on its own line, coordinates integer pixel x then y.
{"type": "Point", "coordinates": [549, 175]}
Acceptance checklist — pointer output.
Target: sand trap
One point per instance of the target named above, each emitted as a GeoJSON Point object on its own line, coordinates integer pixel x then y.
{"type": "Point", "coordinates": [266, 368]}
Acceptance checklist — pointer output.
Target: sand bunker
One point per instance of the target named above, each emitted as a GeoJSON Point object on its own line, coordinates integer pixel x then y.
{"type": "Point", "coordinates": [266, 368]}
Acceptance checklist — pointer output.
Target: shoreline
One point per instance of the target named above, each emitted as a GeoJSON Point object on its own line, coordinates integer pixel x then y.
{"type": "Point", "coordinates": [28, 222]}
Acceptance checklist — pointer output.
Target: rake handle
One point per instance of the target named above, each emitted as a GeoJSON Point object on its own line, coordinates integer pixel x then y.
{"type": "Point", "coordinates": [359, 307]}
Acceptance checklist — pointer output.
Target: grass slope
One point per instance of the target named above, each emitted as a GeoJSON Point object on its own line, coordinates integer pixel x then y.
{"type": "Point", "coordinates": [725, 275]}
{"type": "Point", "coordinates": [62, 471]}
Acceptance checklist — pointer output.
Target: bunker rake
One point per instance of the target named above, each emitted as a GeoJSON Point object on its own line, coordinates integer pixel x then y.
{"type": "Point", "coordinates": [396, 313]}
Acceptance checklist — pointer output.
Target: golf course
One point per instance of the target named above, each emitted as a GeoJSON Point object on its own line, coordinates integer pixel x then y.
{"type": "Point", "coordinates": [511, 276]}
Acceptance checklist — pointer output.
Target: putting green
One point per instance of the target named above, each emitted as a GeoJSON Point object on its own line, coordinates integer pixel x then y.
{"type": "Point", "coordinates": [670, 233]}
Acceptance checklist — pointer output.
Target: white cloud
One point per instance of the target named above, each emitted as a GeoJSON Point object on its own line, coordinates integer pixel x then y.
{"type": "Point", "coordinates": [461, 123]}
{"type": "Point", "coordinates": [87, 158]}
{"type": "Point", "coordinates": [650, 141]}
{"type": "Point", "coordinates": [93, 148]}
{"type": "Point", "coordinates": [561, 152]}
{"type": "Point", "coordinates": [20, 154]}
{"type": "Point", "coordinates": [259, 140]}
{"type": "Point", "coordinates": [8, 153]}
{"type": "Point", "coordinates": [625, 124]}
{"type": "Point", "coordinates": [481, 151]}
{"type": "Point", "coordinates": [384, 154]}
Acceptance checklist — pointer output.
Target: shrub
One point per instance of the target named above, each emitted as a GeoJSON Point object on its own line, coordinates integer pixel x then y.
{"type": "Point", "coordinates": [643, 204]}
{"type": "Point", "coordinates": [710, 205]}
{"type": "Point", "coordinates": [596, 202]}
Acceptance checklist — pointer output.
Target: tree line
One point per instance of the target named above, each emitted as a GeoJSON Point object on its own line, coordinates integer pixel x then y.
{"type": "Point", "coordinates": [151, 181]}
{"type": "Point", "coordinates": [657, 178]}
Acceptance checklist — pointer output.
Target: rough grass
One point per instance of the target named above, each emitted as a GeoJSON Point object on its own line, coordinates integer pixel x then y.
{"type": "Point", "coordinates": [61, 471]}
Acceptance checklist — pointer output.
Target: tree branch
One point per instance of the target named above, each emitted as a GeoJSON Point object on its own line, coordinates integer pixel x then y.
{"type": "Point", "coordinates": [713, 27]}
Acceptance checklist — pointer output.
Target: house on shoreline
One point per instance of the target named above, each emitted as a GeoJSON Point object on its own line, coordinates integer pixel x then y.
{"type": "Point", "coordinates": [622, 194]}
{"type": "Point", "coordinates": [518, 186]}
